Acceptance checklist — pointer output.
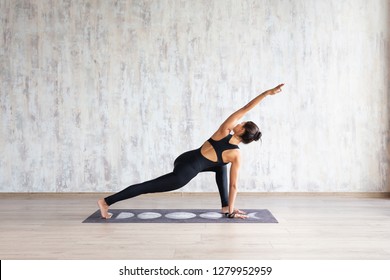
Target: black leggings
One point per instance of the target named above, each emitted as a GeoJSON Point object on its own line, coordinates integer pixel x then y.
{"type": "Point", "coordinates": [186, 167]}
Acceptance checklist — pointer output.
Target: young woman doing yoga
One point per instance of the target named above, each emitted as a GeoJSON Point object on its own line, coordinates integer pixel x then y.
{"type": "Point", "coordinates": [221, 149]}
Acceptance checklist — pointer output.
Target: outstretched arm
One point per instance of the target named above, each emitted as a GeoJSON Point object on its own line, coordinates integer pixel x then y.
{"type": "Point", "coordinates": [232, 120]}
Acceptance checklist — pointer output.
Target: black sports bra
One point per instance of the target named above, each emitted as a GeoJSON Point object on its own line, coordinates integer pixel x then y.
{"type": "Point", "coordinates": [222, 145]}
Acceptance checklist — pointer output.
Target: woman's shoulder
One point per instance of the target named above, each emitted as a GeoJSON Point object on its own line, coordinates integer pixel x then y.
{"type": "Point", "coordinates": [220, 134]}
{"type": "Point", "coordinates": [232, 156]}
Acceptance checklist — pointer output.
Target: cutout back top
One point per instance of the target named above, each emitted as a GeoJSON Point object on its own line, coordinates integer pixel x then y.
{"type": "Point", "coordinates": [222, 145]}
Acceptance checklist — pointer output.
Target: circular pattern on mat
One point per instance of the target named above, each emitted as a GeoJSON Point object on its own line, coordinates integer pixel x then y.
{"type": "Point", "coordinates": [124, 215]}
{"type": "Point", "coordinates": [211, 215]}
{"type": "Point", "coordinates": [180, 215]}
{"type": "Point", "coordinates": [149, 215]}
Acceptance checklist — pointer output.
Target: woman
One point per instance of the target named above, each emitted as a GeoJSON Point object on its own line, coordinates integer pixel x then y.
{"type": "Point", "coordinates": [221, 149]}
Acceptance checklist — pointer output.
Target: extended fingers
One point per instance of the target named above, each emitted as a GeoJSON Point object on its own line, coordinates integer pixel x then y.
{"type": "Point", "coordinates": [241, 216]}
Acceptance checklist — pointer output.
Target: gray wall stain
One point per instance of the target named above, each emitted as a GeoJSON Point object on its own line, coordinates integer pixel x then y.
{"type": "Point", "coordinates": [97, 95]}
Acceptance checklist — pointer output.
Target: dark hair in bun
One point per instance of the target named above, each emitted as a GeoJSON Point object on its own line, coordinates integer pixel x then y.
{"type": "Point", "coordinates": [252, 132]}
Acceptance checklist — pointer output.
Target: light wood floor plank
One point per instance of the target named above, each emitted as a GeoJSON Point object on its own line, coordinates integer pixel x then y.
{"type": "Point", "coordinates": [310, 227]}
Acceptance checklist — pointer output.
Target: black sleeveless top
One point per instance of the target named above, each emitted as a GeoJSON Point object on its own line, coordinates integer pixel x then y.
{"type": "Point", "coordinates": [222, 145]}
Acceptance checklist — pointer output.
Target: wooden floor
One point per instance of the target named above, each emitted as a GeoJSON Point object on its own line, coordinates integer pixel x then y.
{"type": "Point", "coordinates": [310, 227]}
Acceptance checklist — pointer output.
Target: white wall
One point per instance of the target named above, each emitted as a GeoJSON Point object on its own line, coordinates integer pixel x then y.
{"type": "Point", "coordinates": [97, 95]}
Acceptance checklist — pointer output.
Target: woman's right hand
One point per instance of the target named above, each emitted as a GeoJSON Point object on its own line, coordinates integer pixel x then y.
{"type": "Point", "coordinates": [240, 216]}
{"type": "Point", "coordinates": [276, 89]}
{"type": "Point", "coordinates": [236, 215]}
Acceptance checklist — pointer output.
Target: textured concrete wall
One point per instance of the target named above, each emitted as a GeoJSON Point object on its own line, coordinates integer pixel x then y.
{"type": "Point", "coordinates": [96, 95]}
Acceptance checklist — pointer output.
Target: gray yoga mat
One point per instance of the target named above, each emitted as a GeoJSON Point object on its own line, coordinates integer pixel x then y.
{"type": "Point", "coordinates": [179, 216]}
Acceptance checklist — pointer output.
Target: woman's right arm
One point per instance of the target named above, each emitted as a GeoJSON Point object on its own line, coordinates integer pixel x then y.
{"type": "Point", "coordinates": [232, 120]}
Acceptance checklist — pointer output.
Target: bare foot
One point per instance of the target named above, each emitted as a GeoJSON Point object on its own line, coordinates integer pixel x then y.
{"type": "Point", "coordinates": [104, 209]}
{"type": "Point", "coordinates": [236, 211]}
